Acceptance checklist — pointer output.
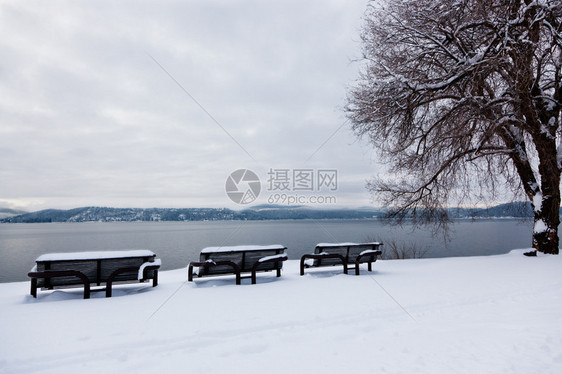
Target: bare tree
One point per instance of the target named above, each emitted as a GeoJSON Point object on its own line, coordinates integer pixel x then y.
{"type": "Point", "coordinates": [462, 98]}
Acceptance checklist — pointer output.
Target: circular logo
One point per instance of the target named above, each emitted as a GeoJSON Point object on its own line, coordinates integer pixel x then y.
{"type": "Point", "coordinates": [243, 186]}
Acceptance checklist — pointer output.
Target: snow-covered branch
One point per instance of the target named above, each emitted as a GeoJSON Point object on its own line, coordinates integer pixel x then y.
{"type": "Point", "coordinates": [458, 94]}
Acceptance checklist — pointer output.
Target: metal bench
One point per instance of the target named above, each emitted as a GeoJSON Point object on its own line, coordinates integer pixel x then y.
{"type": "Point", "coordinates": [332, 254]}
{"type": "Point", "coordinates": [93, 268]}
{"type": "Point", "coordinates": [215, 261]}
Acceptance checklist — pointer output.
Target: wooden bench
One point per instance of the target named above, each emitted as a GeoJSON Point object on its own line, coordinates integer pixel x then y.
{"type": "Point", "coordinates": [331, 254]}
{"type": "Point", "coordinates": [214, 261]}
{"type": "Point", "coordinates": [93, 268]}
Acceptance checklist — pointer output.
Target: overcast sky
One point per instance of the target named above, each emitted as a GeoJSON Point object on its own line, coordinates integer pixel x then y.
{"type": "Point", "coordinates": [155, 103]}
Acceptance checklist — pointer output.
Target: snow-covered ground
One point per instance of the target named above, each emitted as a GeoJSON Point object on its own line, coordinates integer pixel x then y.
{"type": "Point", "coordinates": [497, 314]}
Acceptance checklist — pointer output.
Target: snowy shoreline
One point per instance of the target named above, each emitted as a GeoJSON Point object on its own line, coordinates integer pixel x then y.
{"type": "Point", "coordinates": [485, 314]}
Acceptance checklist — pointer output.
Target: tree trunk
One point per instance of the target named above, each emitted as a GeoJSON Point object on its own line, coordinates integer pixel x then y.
{"type": "Point", "coordinates": [546, 205]}
{"type": "Point", "coordinates": [545, 241]}
{"type": "Point", "coordinates": [547, 219]}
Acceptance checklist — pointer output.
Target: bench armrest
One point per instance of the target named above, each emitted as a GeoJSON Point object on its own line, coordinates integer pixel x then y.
{"type": "Point", "coordinates": [209, 263]}
{"type": "Point", "coordinates": [376, 252]}
{"type": "Point", "coordinates": [371, 254]}
{"type": "Point", "coordinates": [268, 259]}
{"type": "Point", "coordinates": [274, 258]}
{"type": "Point", "coordinates": [319, 256]}
{"type": "Point", "coordinates": [147, 266]}
{"type": "Point", "coordinates": [47, 274]}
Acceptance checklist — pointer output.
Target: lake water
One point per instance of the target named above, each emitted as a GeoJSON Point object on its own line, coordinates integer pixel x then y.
{"type": "Point", "coordinates": [178, 243]}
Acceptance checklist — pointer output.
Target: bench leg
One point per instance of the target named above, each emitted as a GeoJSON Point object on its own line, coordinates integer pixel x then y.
{"type": "Point", "coordinates": [109, 282]}
{"type": "Point", "coordinates": [372, 258]}
{"type": "Point", "coordinates": [155, 279]}
{"type": "Point", "coordinates": [369, 267]}
{"type": "Point", "coordinates": [190, 272]}
{"type": "Point", "coordinates": [34, 287]}
{"type": "Point", "coordinates": [275, 261]}
{"type": "Point", "coordinates": [303, 258]}
{"type": "Point", "coordinates": [87, 290]}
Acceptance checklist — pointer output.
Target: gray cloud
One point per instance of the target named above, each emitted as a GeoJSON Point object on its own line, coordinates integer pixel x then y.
{"type": "Point", "coordinates": [88, 118]}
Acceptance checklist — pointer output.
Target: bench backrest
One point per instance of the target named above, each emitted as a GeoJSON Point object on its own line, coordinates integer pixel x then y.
{"type": "Point", "coordinates": [244, 259]}
{"type": "Point", "coordinates": [97, 270]}
{"type": "Point", "coordinates": [349, 252]}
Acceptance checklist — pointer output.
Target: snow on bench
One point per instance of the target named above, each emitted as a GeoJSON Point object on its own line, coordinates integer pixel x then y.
{"type": "Point", "coordinates": [144, 267]}
{"type": "Point", "coordinates": [282, 257]}
{"type": "Point", "coordinates": [346, 244]}
{"type": "Point", "coordinates": [243, 248]}
{"type": "Point", "coordinates": [94, 255]}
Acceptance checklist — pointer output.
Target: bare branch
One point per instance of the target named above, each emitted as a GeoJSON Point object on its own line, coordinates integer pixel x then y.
{"type": "Point", "coordinates": [460, 97]}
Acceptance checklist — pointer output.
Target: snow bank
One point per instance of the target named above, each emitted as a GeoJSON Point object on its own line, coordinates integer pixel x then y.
{"type": "Point", "coordinates": [496, 314]}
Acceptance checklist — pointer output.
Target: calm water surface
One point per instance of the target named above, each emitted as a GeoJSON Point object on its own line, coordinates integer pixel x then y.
{"type": "Point", "coordinates": [178, 243]}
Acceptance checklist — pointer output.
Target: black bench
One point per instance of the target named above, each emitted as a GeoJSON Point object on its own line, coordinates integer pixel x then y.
{"type": "Point", "coordinates": [93, 268]}
{"type": "Point", "coordinates": [331, 254]}
{"type": "Point", "coordinates": [214, 261]}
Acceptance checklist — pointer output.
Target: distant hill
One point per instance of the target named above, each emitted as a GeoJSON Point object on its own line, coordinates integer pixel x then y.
{"type": "Point", "coordinates": [264, 212]}
{"type": "Point", "coordinates": [7, 212]}
{"type": "Point", "coordinates": [258, 212]}
{"type": "Point", "coordinates": [517, 209]}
